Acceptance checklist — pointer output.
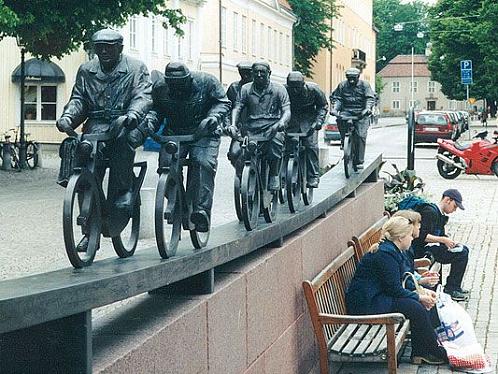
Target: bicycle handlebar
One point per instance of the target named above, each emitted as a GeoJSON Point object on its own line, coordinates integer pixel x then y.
{"type": "Point", "coordinates": [161, 139]}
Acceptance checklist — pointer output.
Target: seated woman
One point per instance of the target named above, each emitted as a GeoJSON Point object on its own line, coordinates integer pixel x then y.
{"type": "Point", "coordinates": [425, 278]}
{"type": "Point", "coordinates": [376, 288]}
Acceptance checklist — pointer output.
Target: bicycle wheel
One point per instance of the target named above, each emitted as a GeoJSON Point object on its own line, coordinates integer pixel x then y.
{"type": "Point", "coordinates": [31, 155]}
{"type": "Point", "coordinates": [306, 192]}
{"type": "Point", "coordinates": [167, 216]}
{"type": "Point", "coordinates": [250, 195]}
{"type": "Point", "coordinates": [81, 219]}
{"type": "Point", "coordinates": [269, 200]}
{"type": "Point", "coordinates": [282, 193]}
{"type": "Point", "coordinates": [199, 239]}
{"type": "Point", "coordinates": [236, 198]}
{"type": "Point", "coordinates": [126, 242]}
{"type": "Point", "coordinates": [348, 156]}
{"type": "Point", "coordinates": [293, 185]}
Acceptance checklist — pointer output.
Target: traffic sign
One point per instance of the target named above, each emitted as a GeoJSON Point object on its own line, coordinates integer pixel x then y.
{"type": "Point", "coordinates": [466, 65]}
{"type": "Point", "coordinates": [466, 71]}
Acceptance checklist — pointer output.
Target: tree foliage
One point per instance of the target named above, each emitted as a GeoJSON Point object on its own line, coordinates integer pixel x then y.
{"type": "Point", "coordinates": [54, 28]}
{"type": "Point", "coordinates": [391, 43]}
{"type": "Point", "coordinates": [465, 30]}
{"type": "Point", "coordinates": [312, 31]}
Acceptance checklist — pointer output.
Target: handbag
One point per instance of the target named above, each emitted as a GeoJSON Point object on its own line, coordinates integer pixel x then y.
{"type": "Point", "coordinates": [418, 288]}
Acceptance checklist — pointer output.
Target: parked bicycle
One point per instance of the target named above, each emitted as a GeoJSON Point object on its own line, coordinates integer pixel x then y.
{"type": "Point", "coordinates": [14, 146]}
{"type": "Point", "coordinates": [173, 206]}
{"type": "Point", "coordinates": [254, 196]}
{"type": "Point", "coordinates": [296, 171]}
{"type": "Point", "coordinates": [351, 140]}
{"type": "Point", "coordinates": [88, 212]}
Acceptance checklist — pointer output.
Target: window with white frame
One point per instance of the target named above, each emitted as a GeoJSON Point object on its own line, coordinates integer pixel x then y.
{"type": "Point", "coordinates": [396, 87]}
{"type": "Point", "coordinates": [275, 45]}
{"type": "Point", "coordinates": [40, 102]}
{"type": "Point", "coordinates": [415, 86]}
{"type": "Point", "coordinates": [153, 34]}
{"type": "Point", "coordinates": [395, 104]}
{"type": "Point", "coordinates": [190, 46]}
{"type": "Point", "coordinates": [243, 37]}
{"type": "Point", "coordinates": [166, 41]}
{"type": "Point", "coordinates": [223, 27]}
{"type": "Point", "coordinates": [288, 51]}
{"type": "Point", "coordinates": [270, 43]}
{"type": "Point", "coordinates": [431, 87]}
{"type": "Point", "coordinates": [235, 31]}
{"type": "Point", "coordinates": [133, 32]}
{"type": "Point", "coordinates": [254, 38]}
{"type": "Point", "coordinates": [281, 56]}
{"type": "Point", "coordinates": [262, 40]}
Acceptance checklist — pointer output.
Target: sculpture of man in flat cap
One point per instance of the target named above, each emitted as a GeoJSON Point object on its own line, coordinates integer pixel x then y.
{"type": "Point", "coordinates": [355, 97]}
{"type": "Point", "coordinates": [111, 90]}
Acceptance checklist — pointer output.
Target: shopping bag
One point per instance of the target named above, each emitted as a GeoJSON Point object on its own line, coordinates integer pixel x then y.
{"type": "Point", "coordinates": [456, 334]}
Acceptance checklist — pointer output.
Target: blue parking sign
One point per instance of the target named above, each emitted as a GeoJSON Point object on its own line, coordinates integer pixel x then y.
{"type": "Point", "coordinates": [466, 65]}
{"type": "Point", "coordinates": [466, 71]}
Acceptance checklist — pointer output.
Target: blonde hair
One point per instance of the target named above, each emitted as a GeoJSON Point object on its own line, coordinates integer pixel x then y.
{"type": "Point", "coordinates": [394, 229]}
{"type": "Point", "coordinates": [411, 215]}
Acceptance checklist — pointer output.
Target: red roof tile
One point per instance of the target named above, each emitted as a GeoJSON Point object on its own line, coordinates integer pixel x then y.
{"type": "Point", "coordinates": [285, 4]}
{"type": "Point", "coordinates": [401, 66]}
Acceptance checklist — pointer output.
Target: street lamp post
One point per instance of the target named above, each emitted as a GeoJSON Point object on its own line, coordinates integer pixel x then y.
{"type": "Point", "coordinates": [22, 140]}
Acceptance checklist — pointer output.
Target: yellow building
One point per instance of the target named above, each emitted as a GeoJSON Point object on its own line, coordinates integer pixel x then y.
{"type": "Point", "coordinates": [250, 30]}
{"type": "Point", "coordinates": [354, 38]}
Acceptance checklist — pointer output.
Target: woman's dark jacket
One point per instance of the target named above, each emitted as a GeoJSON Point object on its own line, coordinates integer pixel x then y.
{"type": "Point", "coordinates": [377, 281]}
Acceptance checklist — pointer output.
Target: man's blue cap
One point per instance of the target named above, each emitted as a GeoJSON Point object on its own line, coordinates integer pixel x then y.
{"type": "Point", "coordinates": [454, 195]}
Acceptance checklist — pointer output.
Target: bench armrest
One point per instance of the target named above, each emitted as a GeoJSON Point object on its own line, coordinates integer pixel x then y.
{"type": "Point", "coordinates": [372, 319]}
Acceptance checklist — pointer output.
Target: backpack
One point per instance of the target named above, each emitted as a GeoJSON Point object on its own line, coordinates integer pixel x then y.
{"type": "Point", "coordinates": [414, 202]}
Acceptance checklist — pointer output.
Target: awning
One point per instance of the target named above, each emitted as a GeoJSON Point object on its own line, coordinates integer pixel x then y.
{"type": "Point", "coordinates": [39, 70]}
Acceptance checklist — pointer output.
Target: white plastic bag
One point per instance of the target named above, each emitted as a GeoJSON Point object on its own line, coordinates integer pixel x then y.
{"type": "Point", "coordinates": [456, 334]}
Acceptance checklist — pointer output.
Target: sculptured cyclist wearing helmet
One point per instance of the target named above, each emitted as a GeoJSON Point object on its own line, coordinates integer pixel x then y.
{"type": "Point", "coordinates": [193, 103]}
{"type": "Point", "coordinates": [355, 97]}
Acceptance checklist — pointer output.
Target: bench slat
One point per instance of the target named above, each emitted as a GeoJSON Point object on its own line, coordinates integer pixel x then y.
{"type": "Point", "coordinates": [365, 344]}
{"type": "Point", "coordinates": [344, 338]}
{"type": "Point", "coordinates": [355, 340]}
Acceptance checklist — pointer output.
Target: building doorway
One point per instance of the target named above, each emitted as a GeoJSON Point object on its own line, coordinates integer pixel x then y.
{"type": "Point", "coordinates": [431, 105]}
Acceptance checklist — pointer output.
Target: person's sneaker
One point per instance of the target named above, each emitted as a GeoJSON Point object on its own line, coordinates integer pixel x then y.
{"type": "Point", "coordinates": [457, 295]}
{"type": "Point", "coordinates": [201, 221]}
{"type": "Point", "coordinates": [274, 183]}
{"type": "Point", "coordinates": [359, 166]}
{"type": "Point", "coordinates": [427, 359]}
{"type": "Point", "coordinates": [82, 245]}
{"type": "Point", "coordinates": [465, 292]}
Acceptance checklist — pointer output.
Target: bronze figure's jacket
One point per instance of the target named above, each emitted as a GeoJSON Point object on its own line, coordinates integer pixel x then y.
{"type": "Point", "coordinates": [353, 99]}
{"type": "Point", "coordinates": [99, 98]}
{"type": "Point", "coordinates": [308, 109]}
{"type": "Point", "coordinates": [185, 114]}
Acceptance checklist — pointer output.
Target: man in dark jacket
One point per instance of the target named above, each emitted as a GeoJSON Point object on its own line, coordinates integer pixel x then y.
{"type": "Point", "coordinates": [268, 113]}
{"type": "Point", "coordinates": [245, 72]}
{"type": "Point", "coordinates": [193, 103]}
{"type": "Point", "coordinates": [111, 92]}
{"type": "Point", "coordinates": [433, 239]}
{"type": "Point", "coordinates": [308, 110]}
{"type": "Point", "coordinates": [355, 97]}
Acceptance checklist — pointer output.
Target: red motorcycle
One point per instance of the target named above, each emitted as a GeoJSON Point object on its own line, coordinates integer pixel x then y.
{"type": "Point", "coordinates": [478, 157]}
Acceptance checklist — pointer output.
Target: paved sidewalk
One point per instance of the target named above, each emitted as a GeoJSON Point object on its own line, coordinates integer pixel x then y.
{"type": "Point", "coordinates": [477, 226]}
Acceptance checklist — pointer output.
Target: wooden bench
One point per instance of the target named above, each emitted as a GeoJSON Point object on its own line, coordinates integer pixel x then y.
{"type": "Point", "coordinates": [348, 338]}
{"type": "Point", "coordinates": [372, 235]}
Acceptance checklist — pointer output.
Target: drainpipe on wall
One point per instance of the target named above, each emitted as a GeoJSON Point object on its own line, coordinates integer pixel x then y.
{"type": "Point", "coordinates": [220, 52]}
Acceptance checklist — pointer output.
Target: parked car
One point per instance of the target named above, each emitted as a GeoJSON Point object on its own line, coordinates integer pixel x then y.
{"type": "Point", "coordinates": [457, 122]}
{"type": "Point", "coordinates": [466, 119]}
{"type": "Point", "coordinates": [429, 126]}
{"type": "Point", "coordinates": [331, 130]}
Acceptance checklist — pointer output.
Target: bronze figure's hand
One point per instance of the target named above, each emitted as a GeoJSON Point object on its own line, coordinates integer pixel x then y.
{"type": "Point", "coordinates": [136, 138]}
{"type": "Point", "coordinates": [64, 125]}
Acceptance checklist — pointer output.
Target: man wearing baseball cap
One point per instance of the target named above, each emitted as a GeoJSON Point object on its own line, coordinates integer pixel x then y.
{"type": "Point", "coordinates": [433, 239]}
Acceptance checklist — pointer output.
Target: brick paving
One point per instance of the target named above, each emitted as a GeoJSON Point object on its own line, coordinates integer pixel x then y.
{"type": "Point", "coordinates": [477, 226]}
